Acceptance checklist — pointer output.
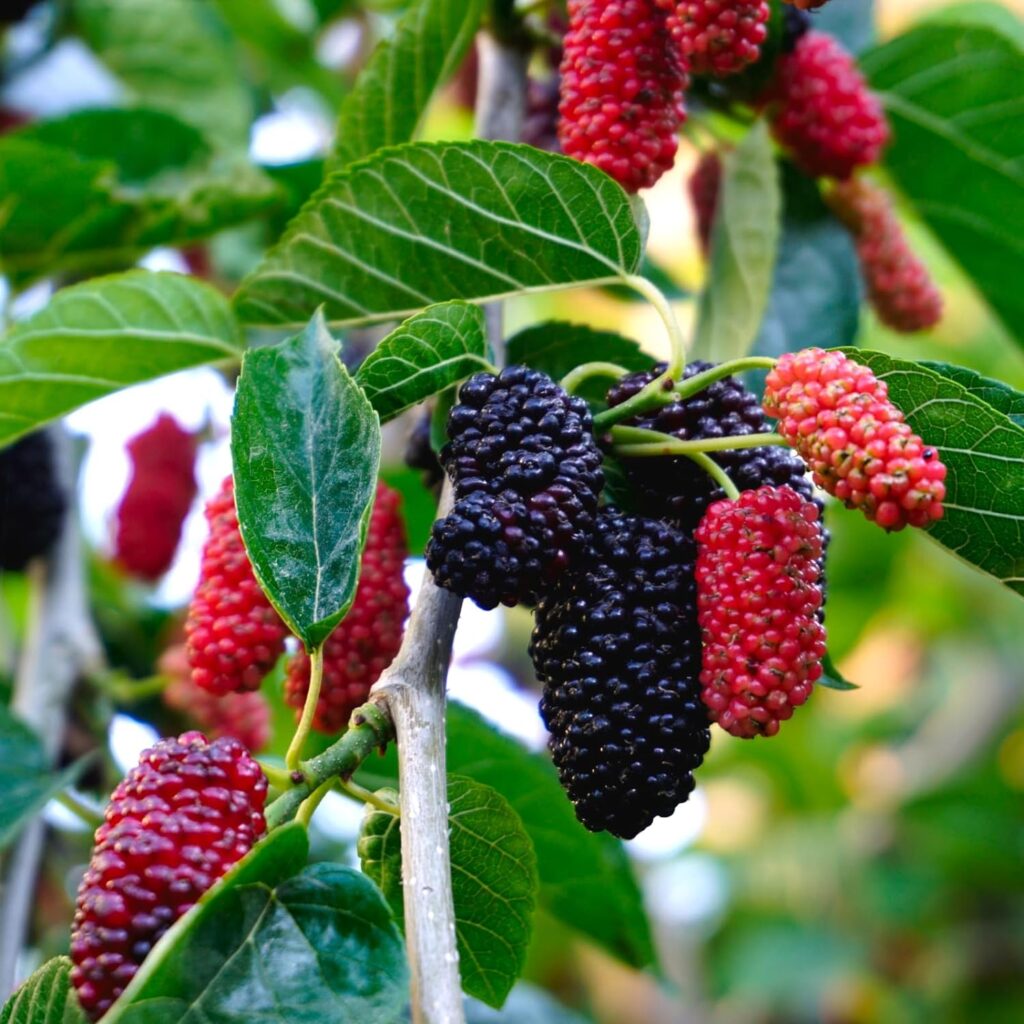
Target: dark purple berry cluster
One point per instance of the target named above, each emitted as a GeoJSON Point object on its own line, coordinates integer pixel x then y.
{"type": "Point", "coordinates": [527, 478]}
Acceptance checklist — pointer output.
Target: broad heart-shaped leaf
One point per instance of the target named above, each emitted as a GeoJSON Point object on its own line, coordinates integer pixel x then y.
{"type": "Point", "coordinates": [984, 452]}
{"type": "Point", "coordinates": [953, 96]}
{"type": "Point", "coordinates": [91, 191]}
{"type": "Point", "coordinates": [816, 294]}
{"type": "Point", "coordinates": [557, 348]}
{"type": "Point", "coordinates": [105, 334]}
{"type": "Point", "coordinates": [431, 222]}
{"type": "Point", "coordinates": [1000, 396]}
{"type": "Point", "coordinates": [984, 12]}
{"type": "Point", "coordinates": [46, 997]}
{"type": "Point", "coordinates": [392, 92]}
{"type": "Point", "coordinates": [494, 883]}
{"type": "Point", "coordinates": [428, 353]}
{"type": "Point", "coordinates": [305, 444]}
{"type": "Point", "coordinates": [27, 779]}
{"type": "Point", "coordinates": [277, 943]}
{"type": "Point", "coordinates": [744, 246]}
{"type": "Point", "coordinates": [585, 878]}
{"type": "Point", "coordinates": [174, 55]}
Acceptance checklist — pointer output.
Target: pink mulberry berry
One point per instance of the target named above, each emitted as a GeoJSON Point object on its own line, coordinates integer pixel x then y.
{"type": "Point", "coordinates": [234, 634]}
{"type": "Point", "coordinates": [759, 573]}
{"type": "Point", "coordinates": [718, 37]}
{"type": "Point", "coordinates": [622, 84]}
{"type": "Point", "coordinates": [160, 493]}
{"type": "Point", "coordinates": [899, 286]}
{"type": "Point", "coordinates": [822, 110]}
{"type": "Point", "coordinates": [838, 416]}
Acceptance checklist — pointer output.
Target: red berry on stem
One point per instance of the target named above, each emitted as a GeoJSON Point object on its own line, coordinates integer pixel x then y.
{"type": "Point", "coordinates": [368, 638]}
{"type": "Point", "coordinates": [899, 286]}
{"type": "Point", "coordinates": [838, 416]}
{"type": "Point", "coordinates": [822, 110]}
{"type": "Point", "coordinates": [159, 494]}
{"type": "Point", "coordinates": [180, 819]}
{"type": "Point", "coordinates": [718, 37]}
{"type": "Point", "coordinates": [759, 590]}
{"type": "Point", "coordinates": [806, 5]}
{"type": "Point", "coordinates": [704, 187]}
{"type": "Point", "coordinates": [234, 634]}
{"type": "Point", "coordinates": [622, 84]}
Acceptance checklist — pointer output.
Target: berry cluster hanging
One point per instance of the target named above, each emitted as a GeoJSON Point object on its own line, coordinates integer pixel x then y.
{"type": "Point", "coordinates": [703, 605]}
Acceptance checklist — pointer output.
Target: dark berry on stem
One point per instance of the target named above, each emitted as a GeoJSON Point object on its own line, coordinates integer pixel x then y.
{"type": "Point", "coordinates": [180, 819]}
{"type": "Point", "coordinates": [617, 646]}
{"type": "Point", "coordinates": [527, 478]}
{"type": "Point", "coordinates": [32, 501]}
{"type": "Point", "coordinates": [676, 487]}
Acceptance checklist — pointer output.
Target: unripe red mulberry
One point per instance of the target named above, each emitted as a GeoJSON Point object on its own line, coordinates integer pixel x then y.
{"type": "Point", "coordinates": [622, 84]}
{"type": "Point", "coordinates": [718, 37]}
{"type": "Point", "coordinates": [806, 5]}
{"type": "Point", "coordinates": [759, 571]}
{"type": "Point", "coordinates": [242, 716]}
{"type": "Point", "coordinates": [368, 638]}
{"type": "Point", "coordinates": [822, 110]}
{"type": "Point", "coordinates": [899, 286]}
{"type": "Point", "coordinates": [180, 819]}
{"type": "Point", "coordinates": [838, 416]}
{"type": "Point", "coordinates": [704, 187]}
{"type": "Point", "coordinates": [234, 634]}
{"type": "Point", "coordinates": [160, 492]}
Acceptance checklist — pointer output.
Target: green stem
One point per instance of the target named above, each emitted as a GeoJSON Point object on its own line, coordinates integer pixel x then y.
{"type": "Point", "coordinates": [316, 677]}
{"type": "Point", "coordinates": [715, 471]}
{"type": "Point", "coordinates": [571, 381]}
{"type": "Point", "coordinates": [699, 381]}
{"type": "Point", "coordinates": [657, 299]}
{"type": "Point", "coordinates": [125, 692]}
{"type": "Point", "coordinates": [635, 441]}
{"type": "Point", "coordinates": [357, 792]}
{"type": "Point", "coordinates": [369, 728]}
{"type": "Point", "coordinates": [279, 778]}
{"type": "Point", "coordinates": [83, 809]}
{"type": "Point", "coordinates": [312, 802]}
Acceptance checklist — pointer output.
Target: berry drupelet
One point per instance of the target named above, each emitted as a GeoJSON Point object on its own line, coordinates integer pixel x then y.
{"type": "Point", "coordinates": [234, 634]}
{"type": "Point", "coordinates": [718, 37]}
{"type": "Point", "coordinates": [759, 594]}
{"type": "Point", "coordinates": [160, 493]}
{"type": "Point", "coordinates": [180, 819]}
{"type": "Point", "coordinates": [822, 110]}
{"type": "Point", "coordinates": [368, 638]}
{"type": "Point", "coordinates": [622, 82]}
{"type": "Point", "coordinates": [617, 646]}
{"type": "Point", "coordinates": [527, 478]}
{"type": "Point", "coordinates": [676, 487]}
{"type": "Point", "coordinates": [899, 287]}
{"type": "Point", "coordinates": [32, 501]}
{"type": "Point", "coordinates": [838, 416]}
